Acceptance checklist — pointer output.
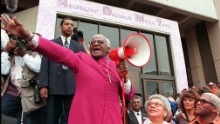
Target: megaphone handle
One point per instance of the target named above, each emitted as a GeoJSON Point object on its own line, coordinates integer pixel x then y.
{"type": "Point", "coordinates": [123, 74]}
{"type": "Point", "coordinates": [123, 101]}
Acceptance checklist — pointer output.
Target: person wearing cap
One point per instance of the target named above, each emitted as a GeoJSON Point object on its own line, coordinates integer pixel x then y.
{"type": "Point", "coordinates": [207, 110]}
{"type": "Point", "coordinates": [213, 87]}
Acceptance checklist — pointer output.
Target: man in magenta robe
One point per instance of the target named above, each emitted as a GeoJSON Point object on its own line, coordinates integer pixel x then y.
{"type": "Point", "coordinates": [98, 80]}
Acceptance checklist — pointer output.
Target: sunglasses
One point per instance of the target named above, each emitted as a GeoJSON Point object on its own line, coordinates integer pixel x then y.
{"type": "Point", "coordinates": [203, 101]}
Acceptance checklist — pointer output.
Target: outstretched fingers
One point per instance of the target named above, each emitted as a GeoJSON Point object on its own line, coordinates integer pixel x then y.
{"type": "Point", "coordinates": [7, 21]}
{"type": "Point", "coordinates": [4, 20]}
{"type": "Point", "coordinates": [16, 21]}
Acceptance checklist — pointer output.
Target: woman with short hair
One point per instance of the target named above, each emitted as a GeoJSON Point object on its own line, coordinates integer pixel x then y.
{"type": "Point", "coordinates": [157, 108]}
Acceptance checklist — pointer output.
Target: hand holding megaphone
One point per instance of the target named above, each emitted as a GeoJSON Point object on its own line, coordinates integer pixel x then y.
{"type": "Point", "coordinates": [136, 50]}
{"type": "Point", "coordinates": [122, 70]}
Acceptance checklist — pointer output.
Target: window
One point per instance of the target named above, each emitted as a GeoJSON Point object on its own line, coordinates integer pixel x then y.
{"type": "Point", "coordinates": [165, 88]}
{"type": "Point", "coordinates": [159, 68]}
{"type": "Point", "coordinates": [162, 55]}
{"type": "Point", "coordinates": [89, 29]}
{"type": "Point", "coordinates": [157, 76]}
{"type": "Point", "coordinates": [112, 33]}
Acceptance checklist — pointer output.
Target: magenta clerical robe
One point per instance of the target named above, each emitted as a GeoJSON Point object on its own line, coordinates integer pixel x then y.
{"type": "Point", "coordinates": [96, 99]}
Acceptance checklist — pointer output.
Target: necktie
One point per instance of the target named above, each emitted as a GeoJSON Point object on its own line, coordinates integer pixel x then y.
{"type": "Point", "coordinates": [138, 114]}
{"type": "Point", "coordinates": [67, 46]}
{"type": "Point", "coordinates": [66, 43]}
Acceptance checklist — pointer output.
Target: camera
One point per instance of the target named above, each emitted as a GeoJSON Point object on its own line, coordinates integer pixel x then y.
{"type": "Point", "coordinates": [19, 42]}
{"type": "Point", "coordinates": [37, 97]}
{"type": "Point", "coordinates": [78, 34]}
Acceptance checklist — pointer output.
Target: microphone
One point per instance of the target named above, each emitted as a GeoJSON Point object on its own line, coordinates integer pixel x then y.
{"type": "Point", "coordinates": [11, 5]}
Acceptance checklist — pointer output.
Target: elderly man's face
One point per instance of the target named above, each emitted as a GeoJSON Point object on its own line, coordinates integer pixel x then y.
{"type": "Point", "coordinates": [98, 47]}
{"type": "Point", "coordinates": [204, 107]}
{"type": "Point", "coordinates": [136, 105]}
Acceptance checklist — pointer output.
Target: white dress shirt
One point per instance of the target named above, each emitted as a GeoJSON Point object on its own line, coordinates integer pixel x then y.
{"type": "Point", "coordinates": [64, 39]}
{"type": "Point", "coordinates": [138, 116]}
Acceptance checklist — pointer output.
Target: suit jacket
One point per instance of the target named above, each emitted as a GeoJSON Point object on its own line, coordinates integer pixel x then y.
{"type": "Point", "coordinates": [133, 119]}
{"type": "Point", "coordinates": [53, 76]}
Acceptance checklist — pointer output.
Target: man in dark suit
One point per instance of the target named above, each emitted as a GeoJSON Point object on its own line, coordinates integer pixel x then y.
{"type": "Point", "coordinates": [136, 115]}
{"type": "Point", "coordinates": [56, 81]}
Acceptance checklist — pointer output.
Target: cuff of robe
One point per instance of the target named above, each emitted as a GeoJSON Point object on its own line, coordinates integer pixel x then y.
{"type": "Point", "coordinates": [127, 87]}
{"type": "Point", "coordinates": [35, 41]}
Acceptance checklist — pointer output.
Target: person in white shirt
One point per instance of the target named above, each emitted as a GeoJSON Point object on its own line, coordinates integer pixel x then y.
{"type": "Point", "coordinates": [13, 67]}
{"type": "Point", "coordinates": [4, 39]}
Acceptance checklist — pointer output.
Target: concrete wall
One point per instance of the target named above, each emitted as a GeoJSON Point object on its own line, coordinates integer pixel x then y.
{"type": "Point", "coordinates": [214, 38]}
{"type": "Point", "coordinates": [28, 18]}
{"type": "Point", "coordinates": [203, 8]}
{"type": "Point", "coordinates": [194, 58]}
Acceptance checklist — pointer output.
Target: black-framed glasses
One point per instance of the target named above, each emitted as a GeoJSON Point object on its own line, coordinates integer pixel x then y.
{"type": "Point", "coordinates": [203, 101]}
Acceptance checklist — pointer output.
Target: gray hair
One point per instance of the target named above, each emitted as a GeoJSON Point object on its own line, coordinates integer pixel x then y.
{"type": "Point", "coordinates": [163, 100]}
{"type": "Point", "coordinates": [215, 100]}
{"type": "Point", "coordinates": [137, 97]}
{"type": "Point", "coordinates": [105, 38]}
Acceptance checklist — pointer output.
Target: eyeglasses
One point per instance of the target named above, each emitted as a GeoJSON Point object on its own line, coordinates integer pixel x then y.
{"type": "Point", "coordinates": [99, 42]}
{"type": "Point", "coordinates": [155, 104]}
{"type": "Point", "coordinates": [203, 101]}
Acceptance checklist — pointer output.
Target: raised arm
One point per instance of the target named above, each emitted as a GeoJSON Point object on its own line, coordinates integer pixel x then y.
{"type": "Point", "coordinates": [43, 46]}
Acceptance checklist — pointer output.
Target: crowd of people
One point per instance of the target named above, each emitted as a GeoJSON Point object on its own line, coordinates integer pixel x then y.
{"type": "Point", "coordinates": [81, 86]}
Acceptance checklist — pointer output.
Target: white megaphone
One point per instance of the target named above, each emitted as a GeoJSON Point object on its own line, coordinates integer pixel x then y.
{"type": "Point", "coordinates": [136, 50]}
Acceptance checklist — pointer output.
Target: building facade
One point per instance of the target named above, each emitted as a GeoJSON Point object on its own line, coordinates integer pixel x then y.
{"type": "Point", "coordinates": [184, 36]}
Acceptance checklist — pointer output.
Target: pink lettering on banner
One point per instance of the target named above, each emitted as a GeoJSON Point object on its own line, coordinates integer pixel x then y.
{"type": "Point", "coordinates": [161, 24]}
{"type": "Point", "coordinates": [107, 11]}
{"type": "Point", "coordinates": [139, 18]}
{"type": "Point", "coordinates": [62, 3]}
{"type": "Point", "coordinates": [65, 4]}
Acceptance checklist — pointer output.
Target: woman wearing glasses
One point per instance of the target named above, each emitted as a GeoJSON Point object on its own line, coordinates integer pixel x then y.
{"type": "Point", "coordinates": [187, 104]}
{"type": "Point", "coordinates": [157, 108]}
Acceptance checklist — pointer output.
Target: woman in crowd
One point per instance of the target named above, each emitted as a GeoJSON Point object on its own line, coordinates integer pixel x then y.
{"type": "Point", "coordinates": [157, 108]}
{"type": "Point", "coordinates": [187, 104]}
